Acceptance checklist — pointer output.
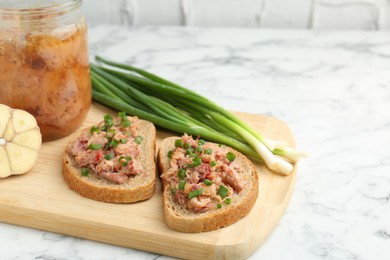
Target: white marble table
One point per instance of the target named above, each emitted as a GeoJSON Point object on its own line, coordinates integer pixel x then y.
{"type": "Point", "coordinates": [331, 88]}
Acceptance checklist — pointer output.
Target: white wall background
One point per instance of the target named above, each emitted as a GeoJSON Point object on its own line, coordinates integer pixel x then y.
{"type": "Point", "coordinates": [311, 14]}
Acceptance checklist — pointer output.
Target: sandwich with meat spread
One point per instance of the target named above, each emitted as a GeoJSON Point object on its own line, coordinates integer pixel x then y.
{"type": "Point", "coordinates": [206, 186]}
{"type": "Point", "coordinates": [113, 161]}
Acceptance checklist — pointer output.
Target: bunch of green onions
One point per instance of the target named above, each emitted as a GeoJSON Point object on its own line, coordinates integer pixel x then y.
{"type": "Point", "coordinates": [171, 106]}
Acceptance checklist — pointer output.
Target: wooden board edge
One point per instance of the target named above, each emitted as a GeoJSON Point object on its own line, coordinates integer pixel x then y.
{"type": "Point", "coordinates": [134, 239]}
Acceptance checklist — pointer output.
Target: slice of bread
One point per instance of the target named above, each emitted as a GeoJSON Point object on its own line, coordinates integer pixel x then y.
{"type": "Point", "coordinates": [140, 187]}
{"type": "Point", "coordinates": [184, 220]}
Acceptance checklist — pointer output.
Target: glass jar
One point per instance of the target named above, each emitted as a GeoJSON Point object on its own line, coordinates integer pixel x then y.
{"type": "Point", "coordinates": [44, 65]}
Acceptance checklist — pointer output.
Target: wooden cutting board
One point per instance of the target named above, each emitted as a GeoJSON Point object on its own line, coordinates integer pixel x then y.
{"type": "Point", "coordinates": [40, 199]}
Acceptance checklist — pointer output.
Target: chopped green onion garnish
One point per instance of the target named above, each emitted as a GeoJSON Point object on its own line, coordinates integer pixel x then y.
{"type": "Point", "coordinates": [182, 183]}
{"type": "Point", "coordinates": [219, 206]}
{"type": "Point", "coordinates": [108, 121]}
{"type": "Point", "coordinates": [107, 117]}
{"type": "Point", "coordinates": [230, 156]}
{"type": "Point", "coordinates": [178, 143]}
{"type": "Point", "coordinates": [201, 142]}
{"type": "Point", "coordinates": [190, 150]}
{"type": "Point", "coordinates": [181, 173]}
{"type": "Point", "coordinates": [94, 146]}
{"type": "Point", "coordinates": [199, 149]}
{"type": "Point", "coordinates": [195, 193]}
{"type": "Point", "coordinates": [124, 160]}
{"type": "Point", "coordinates": [109, 156]}
{"type": "Point", "coordinates": [126, 123]}
{"type": "Point", "coordinates": [213, 163]}
{"type": "Point", "coordinates": [186, 145]}
{"type": "Point", "coordinates": [170, 154]}
{"type": "Point", "coordinates": [208, 151]}
{"type": "Point", "coordinates": [222, 191]}
{"type": "Point", "coordinates": [196, 162]}
{"type": "Point", "coordinates": [84, 171]}
{"type": "Point", "coordinates": [123, 140]}
{"type": "Point", "coordinates": [138, 139]}
{"type": "Point", "coordinates": [110, 133]}
{"type": "Point", "coordinates": [94, 129]}
{"type": "Point", "coordinates": [122, 114]}
{"type": "Point", "coordinates": [208, 182]}
{"type": "Point", "coordinates": [173, 191]}
{"type": "Point", "coordinates": [128, 134]}
{"type": "Point", "coordinates": [228, 201]}
{"type": "Point", "coordinates": [114, 143]}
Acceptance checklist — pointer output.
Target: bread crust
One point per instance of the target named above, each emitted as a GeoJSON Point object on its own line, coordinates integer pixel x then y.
{"type": "Point", "coordinates": [190, 222]}
{"type": "Point", "coordinates": [138, 188]}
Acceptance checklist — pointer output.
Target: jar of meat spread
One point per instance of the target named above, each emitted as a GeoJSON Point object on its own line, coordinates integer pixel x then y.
{"type": "Point", "coordinates": [44, 67]}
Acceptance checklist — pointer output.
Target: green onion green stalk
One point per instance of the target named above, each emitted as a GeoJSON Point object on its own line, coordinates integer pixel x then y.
{"type": "Point", "coordinates": [171, 106]}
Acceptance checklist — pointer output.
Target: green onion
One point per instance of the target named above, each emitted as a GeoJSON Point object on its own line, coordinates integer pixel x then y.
{"type": "Point", "coordinates": [201, 142]}
{"type": "Point", "coordinates": [208, 151]}
{"type": "Point", "coordinates": [108, 121]}
{"type": "Point", "coordinates": [222, 191]}
{"type": "Point", "coordinates": [123, 140]}
{"type": "Point", "coordinates": [138, 139]}
{"type": "Point", "coordinates": [228, 201]}
{"type": "Point", "coordinates": [94, 146]}
{"type": "Point", "coordinates": [122, 115]}
{"type": "Point", "coordinates": [213, 163]}
{"type": "Point", "coordinates": [126, 123]}
{"type": "Point", "coordinates": [170, 154]}
{"type": "Point", "coordinates": [124, 160]}
{"type": "Point", "coordinates": [158, 120]}
{"type": "Point", "coordinates": [195, 193]}
{"type": "Point", "coordinates": [182, 183]}
{"type": "Point", "coordinates": [195, 162]}
{"type": "Point", "coordinates": [84, 171]}
{"type": "Point", "coordinates": [230, 156]}
{"type": "Point", "coordinates": [107, 117]}
{"type": "Point", "coordinates": [173, 191]}
{"type": "Point", "coordinates": [110, 133]}
{"type": "Point", "coordinates": [109, 156]}
{"type": "Point", "coordinates": [171, 106]}
{"type": "Point", "coordinates": [199, 149]}
{"type": "Point", "coordinates": [181, 173]}
{"type": "Point", "coordinates": [178, 143]}
{"type": "Point", "coordinates": [219, 206]}
{"type": "Point", "coordinates": [94, 129]}
{"type": "Point", "coordinates": [208, 182]}
{"type": "Point", "coordinates": [111, 90]}
{"type": "Point", "coordinates": [109, 124]}
{"type": "Point", "coordinates": [190, 150]}
{"type": "Point", "coordinates": [114, 143]}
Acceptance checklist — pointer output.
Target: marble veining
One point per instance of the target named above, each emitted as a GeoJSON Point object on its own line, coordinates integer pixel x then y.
{"type": "Point", "coordinates": [331, 87]}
